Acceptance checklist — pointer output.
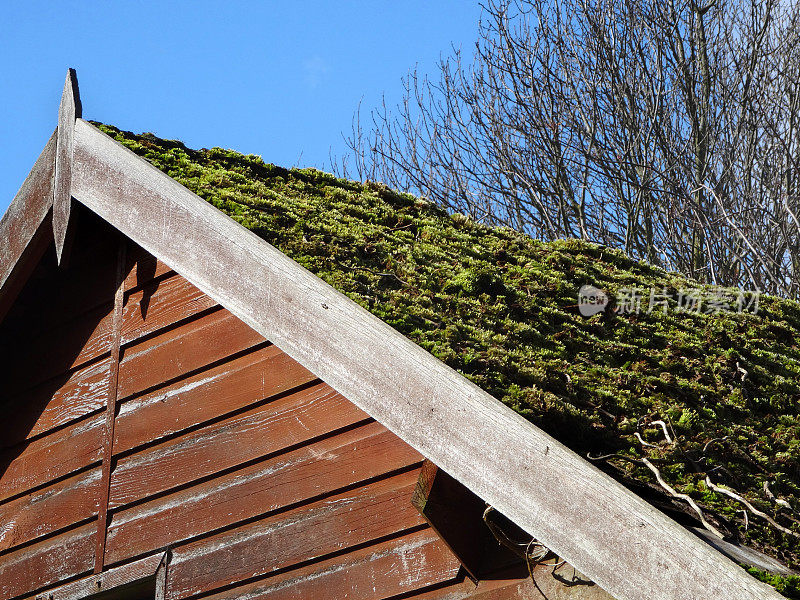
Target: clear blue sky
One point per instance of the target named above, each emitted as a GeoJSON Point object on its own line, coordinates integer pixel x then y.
{"type": "Point", "coordinates": [278, 79]}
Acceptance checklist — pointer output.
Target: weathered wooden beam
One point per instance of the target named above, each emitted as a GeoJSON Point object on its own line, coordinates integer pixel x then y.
{"type": "Point", "coordinates": [20, 247]}
{"type": "Point", "coordinates": [626, 546]}
{"type": "Point", "coordinates": [161, 577]}
{"type": "Point", "coordinates": [111, 408]}
{"type": "Point", "coordinates": [68, 111]}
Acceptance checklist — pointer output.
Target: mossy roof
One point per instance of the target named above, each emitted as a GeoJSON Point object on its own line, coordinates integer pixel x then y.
{"type": "Point", "coordinates": [501, 308]}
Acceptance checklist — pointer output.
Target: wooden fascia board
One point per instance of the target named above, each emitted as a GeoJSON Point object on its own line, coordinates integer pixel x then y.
{"type": "Point", "coordinates": [614, 537]}
{"type": "Point", "coordinates": [23, 219]}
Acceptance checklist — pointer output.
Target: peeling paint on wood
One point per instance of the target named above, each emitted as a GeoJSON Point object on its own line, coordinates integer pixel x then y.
{"type": "Point", "coordinates": [291, 420]}
{"type": "Point", "coordinates": [382, 571]}
{"type": "Point", "coordinates": [46, 563]}
{"type": "Point", "coordinates": [337, 522]}
{"type": "Point", "coordinates": [179, 351]}
{"type": "Point", "coordinates": [49, 510]}
{"type": "Point", "coordinates": [141, 571]}
{"type": "Point", "coordinates": [51, 457]}
{"type": "Point", "coordinates": [55, 404]}
{"type": "Point", "coordinates": [210, 394]}
{"type": "Point", "coordinates": [161, 305]}
{"type": "Point", "coordinates": [288, 479]}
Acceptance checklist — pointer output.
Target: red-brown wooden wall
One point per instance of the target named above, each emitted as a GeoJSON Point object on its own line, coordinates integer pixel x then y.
{"type": "Point", "coordinates": [261, 480]}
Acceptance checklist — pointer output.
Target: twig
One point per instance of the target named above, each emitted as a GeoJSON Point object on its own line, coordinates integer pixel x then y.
{"type": "Point", "coordinates": [642, 442]}
{"type": "Point", "coordinates": [775, 499]}
{"type": "Point", "coordinates": [619, 456]}
{"type": "Point", "coordinates": [746, 519]}
{"type": "Point", "coordinates": [750, 507]}
{"type": "Point", "coordinates": [666, 431]}
{"type": "Point", "coordinates": [715, 440]}
{"type": "Point", "coordinates": [683, 497]}
{"type": "Point", "coordinates": [742, 370]}
{"type": "Point", "coordinates": [533, 553]}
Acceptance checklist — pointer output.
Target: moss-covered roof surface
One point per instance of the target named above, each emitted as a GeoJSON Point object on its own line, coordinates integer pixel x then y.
{"type": "Point", "coordinates": [501, 308]}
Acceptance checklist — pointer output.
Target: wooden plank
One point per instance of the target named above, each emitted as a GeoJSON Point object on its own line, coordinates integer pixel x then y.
{"type": "Point", "coordinates": [388, 569]}
{"type": "Point", "coordinates": [582, 514]}
{"type": "Point", "coordinates": [21, 221]}
{"type": "Point", "coordinates": [79, 342]}
{"type": "Point", "coordinates": [143, 268]}
{"type": "Point", "coordinates": [68, 111]}
{"type": "Point", "coordinates": [162, 304]}
{"type": "Point", "coordinates": [34, 568]}
{"type": "Point", "coordinates": [55, 403]}
{"type": "Point", "coordinates": [36, 463]}
{"type": "Point", "coordinates": [293, 419]}
{"type": "Point", "coordinates": [308, 533]}
{"type": "Point", "coordinates": [161, 578]}
{"type": "Point", "coordinates": [182, 350]}
{"type": "Point", "coordinates": [49, 510]}
{"type": "Point", "coordinates": [122, 582]}
{"type": "Point", "coordinates": [274, 484]}
{"type": "Point", "coordinates": [211, 394]}
{"type": "Point", "coordinates": [111, 407]}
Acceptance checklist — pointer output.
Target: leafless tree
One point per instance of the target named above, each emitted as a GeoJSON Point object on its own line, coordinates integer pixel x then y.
{"type": "Point", "coordinates": [667, 128]}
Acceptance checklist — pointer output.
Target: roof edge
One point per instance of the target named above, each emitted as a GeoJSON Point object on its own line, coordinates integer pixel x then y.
{"type": "Point", "coordinates": [23, 219]}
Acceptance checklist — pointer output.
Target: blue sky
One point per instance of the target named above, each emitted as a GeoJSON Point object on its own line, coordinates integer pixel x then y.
{"type": "Point", "coordinates": [278, 79]}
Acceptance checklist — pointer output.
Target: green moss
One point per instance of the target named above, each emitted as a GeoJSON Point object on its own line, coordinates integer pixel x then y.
{"type": "Point", "coordinates": [788, 586]}
{"type": "Point", "coordinates": [500, 308]}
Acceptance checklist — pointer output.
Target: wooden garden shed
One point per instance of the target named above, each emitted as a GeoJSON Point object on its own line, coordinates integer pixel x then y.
{"type": "Point", "coordinates": [188, 413]}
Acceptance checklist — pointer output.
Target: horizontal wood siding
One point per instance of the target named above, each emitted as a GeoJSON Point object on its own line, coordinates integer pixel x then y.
{"type": "Point", "coordinates": [263, 373]}
{"type": "Point", "coordinates": [55, 367]}
{"type": "Point", "coordinates": [47, 563]}
{"type": "Point", "coordinates": [57, 507]}
{"type": "Point", "coordinates": [250, 469]}
{"type": "Point", "coordinates": [270, 485]}
{"type": "Point", "coordinates": [383, 570]}
{"type": "Point", "coordinates": [260, 479]}
{"type": "Point", "coordinates": [56, 403]}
